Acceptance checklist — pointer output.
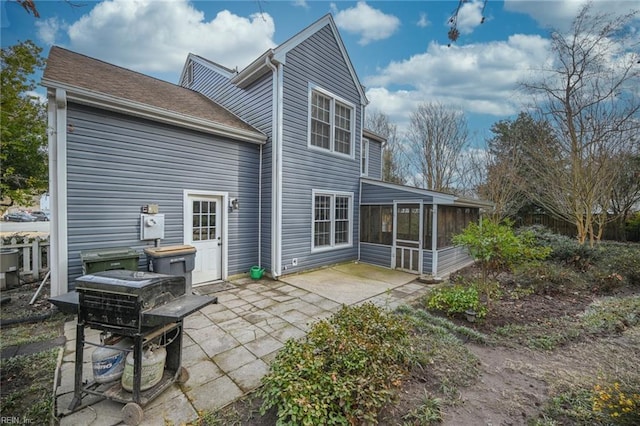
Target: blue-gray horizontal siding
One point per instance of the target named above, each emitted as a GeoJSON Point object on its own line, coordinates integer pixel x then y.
{"type": "Point", "coordinates": [317, 60]}
{"type": "Point", "coordinates": [375, 160]}
{"type": "Point", "coordinates": [427, 262]}
{"type": "Point", "coordinates": [376, 194]}
{"type": "Point", "coordinates": [452, 259]}
{"type": "Point", "coordinates": [117, 163]}
{"type": "Point", "coordinates": [376, 254]}
{"type": "Point", "coordinates": [254, 105]}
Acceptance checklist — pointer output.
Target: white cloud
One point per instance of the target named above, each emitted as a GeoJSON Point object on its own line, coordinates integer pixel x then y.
{"type": "Point", "coordinates": [301, 3]}
{"type": "Point", "coordinates": [49, 29]}
{"type": "Point", "coordinates": [370, 23]}
{"type": "Point", "coordinates": [480, 78]}
{"type": "Point", "coordinates": [37, 97]}
{"type": "Point", "coordinates": [423, 22]}
{"type": "Point", "coordinates": [560, 14]}
{"type": "Point", "coordinates": [163, 33]}
{"type": "Point", "coordinates": [470, 16]}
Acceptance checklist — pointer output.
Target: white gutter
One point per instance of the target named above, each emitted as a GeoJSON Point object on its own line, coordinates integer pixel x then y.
{"type": "Point", "coordinates": [276, 170]}
{"type": "Point", "coordinates": [57, 138]}
{"type": "Point", "coordinates": [112, 103]}
{"type": "Point", "coordinates": [254, 70]}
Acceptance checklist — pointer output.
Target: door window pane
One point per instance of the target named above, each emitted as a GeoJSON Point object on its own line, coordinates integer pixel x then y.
{"type": "Point", "coordinates": [204, 220]}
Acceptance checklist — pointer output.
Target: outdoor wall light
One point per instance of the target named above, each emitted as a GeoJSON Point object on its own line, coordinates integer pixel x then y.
{"type": "Point", "coordinates": [234, 204]}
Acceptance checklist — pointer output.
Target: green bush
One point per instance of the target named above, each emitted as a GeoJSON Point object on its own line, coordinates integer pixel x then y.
{"type": "Point", "coordinates": [497, 248]}
{"type": "Point", "coordinates": [456, 300]}
{"type": "Point", "coordinates": [345, 370]}
{"type": "Point", "coordinates": [564, 249]}
{"type": "Point", "coordinates": [620, 260]}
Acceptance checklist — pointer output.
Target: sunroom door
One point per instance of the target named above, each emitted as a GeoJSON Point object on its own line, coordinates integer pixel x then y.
{"type": "Point", "coordinates": [407, 240]}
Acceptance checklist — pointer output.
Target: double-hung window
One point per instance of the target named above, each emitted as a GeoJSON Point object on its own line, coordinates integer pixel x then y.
{"type": "Point", "coordinates": [331, 123]}
{"type": "Point", "coordinates": [332, 220]}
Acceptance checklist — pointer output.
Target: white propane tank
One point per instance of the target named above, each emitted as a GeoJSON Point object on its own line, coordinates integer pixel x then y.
{"type": "Point", "coordinates": [153, 359]}
{"type": "Point", "coordinates": [108, 361]}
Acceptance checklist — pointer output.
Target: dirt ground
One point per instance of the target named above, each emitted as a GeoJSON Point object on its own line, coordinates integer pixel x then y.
{"type": "Point", "coordinates": [513, 383]}
{"type": "Point", "coordinates": [15, 302]}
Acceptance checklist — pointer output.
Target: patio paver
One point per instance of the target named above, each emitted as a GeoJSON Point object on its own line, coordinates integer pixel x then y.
{"type": "Point", "coordinates": [227, 347]}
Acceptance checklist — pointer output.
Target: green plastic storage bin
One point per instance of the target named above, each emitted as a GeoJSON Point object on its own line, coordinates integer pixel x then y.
{"type": "Point", "coordinates": [108, 259]}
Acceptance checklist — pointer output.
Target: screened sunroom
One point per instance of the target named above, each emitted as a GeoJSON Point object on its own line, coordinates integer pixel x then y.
{"type": "Point", "coordinates": [411, 229]}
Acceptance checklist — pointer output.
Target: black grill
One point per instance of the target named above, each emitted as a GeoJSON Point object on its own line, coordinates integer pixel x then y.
{"type": "Point", "coordinates": [110, 308]}
{"type": "Point", "coordinates": [120, 298]}
{"type": "Point", "coordinates": [145, 306]}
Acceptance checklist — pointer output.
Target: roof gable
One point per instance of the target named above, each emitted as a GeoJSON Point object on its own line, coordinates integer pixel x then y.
{"type": "Point", "coordinates": [91, 81]}
{"type": "Point", "coordinates": [279, 54]}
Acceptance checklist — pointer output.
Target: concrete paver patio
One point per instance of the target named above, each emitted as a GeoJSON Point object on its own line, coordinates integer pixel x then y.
{"type": "Point", "coordinates": [227, 347]}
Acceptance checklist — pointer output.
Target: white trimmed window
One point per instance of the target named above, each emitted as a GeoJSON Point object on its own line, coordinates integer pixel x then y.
{"type": "Point", "coordinates": [331, 122]}
{"type": "Point", "coordinates": [332, 220]}
{"type": "Point", "coordinates": [364, 157]}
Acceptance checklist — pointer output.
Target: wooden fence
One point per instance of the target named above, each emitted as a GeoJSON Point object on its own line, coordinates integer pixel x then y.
{"type": "Point", "coordinates": [34, 254]}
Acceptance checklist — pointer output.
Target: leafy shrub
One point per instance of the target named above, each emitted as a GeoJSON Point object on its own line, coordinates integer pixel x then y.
{"type": "Point", "coordinates": [456, 300]}
{"type": "Point", "coordinates": [345, 370]}
{"type": "Point", "coordinates": [497, 248]}
{"type": "Point", "coordinates": [619, 405]}
{"type": "Point", "coordinates": [564, 249]}
{"type": "Point", "coordinates": [622, 260]}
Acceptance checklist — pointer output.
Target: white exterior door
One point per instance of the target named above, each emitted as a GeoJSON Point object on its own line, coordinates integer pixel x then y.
{"type": "Point", "coordinates": [203, 226]}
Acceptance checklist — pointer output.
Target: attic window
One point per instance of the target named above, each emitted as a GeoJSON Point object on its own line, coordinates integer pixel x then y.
{"type": "Point", "coordinates": [331, 123]}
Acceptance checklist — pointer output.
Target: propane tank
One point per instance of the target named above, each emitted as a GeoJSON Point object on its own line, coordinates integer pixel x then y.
{"type": "Point", "coordinates": [108, 361]}
{"type": "Point", "coordinates": [153, 359]}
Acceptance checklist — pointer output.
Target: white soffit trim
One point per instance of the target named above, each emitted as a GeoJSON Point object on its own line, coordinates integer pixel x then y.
{"type": "Point", "coordinates": [138, 109]}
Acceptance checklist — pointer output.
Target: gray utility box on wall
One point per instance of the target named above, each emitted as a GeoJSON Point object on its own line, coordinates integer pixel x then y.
{"type": "Point", "coordinates": [172, 260]}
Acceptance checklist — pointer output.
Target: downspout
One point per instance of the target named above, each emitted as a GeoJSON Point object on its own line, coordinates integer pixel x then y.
{"type": "Point", "coordinates": [359, 217]}
{"type": "Point", "coordinates": [276, 175]}
{"type": "Point", "coordinates": [434, 241]}
{"type": "Point", "coordinates": [260, 210]}
{"type": "Point", "coordinates": [57, 117]}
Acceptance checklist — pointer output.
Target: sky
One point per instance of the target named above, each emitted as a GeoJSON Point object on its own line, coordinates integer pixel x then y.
{"type": "Point", "coordinates": [399, 49]}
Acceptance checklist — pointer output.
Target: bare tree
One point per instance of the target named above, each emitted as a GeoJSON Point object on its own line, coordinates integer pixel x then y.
{"type": "Point", "coordinates": [393, 166]}
{"type": "Point", "coordinates": [626, 190]}
{"type": "Point", "coordinates": [590, 98]}
{"type": "Point", "coordinates": [30, 6]}
{"type": "Point", "coordinates": [436, 137]}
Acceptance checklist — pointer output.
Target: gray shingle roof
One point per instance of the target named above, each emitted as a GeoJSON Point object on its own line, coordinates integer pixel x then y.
{"type": "Point", "coordinates": [79, 71]}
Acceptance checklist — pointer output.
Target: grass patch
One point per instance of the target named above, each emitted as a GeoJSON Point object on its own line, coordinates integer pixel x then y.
{"type": "Point", "coordinates": [605, 317]}
{"type": "Point", "coordinates": [20, 334]}
{"type": "Point", "coordinates": [429, 412]}
{"type": "Point", "coordinates": [602, 371]}
{"type": "Point", "coordinates": [424, 321]}
{"type": "Point", "coordinates": [27, 386]}
{"type": "Point", "coordinates": [440, 356]}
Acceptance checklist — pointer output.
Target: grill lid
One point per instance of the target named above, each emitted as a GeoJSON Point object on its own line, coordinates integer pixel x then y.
{"type": "Point", "coordinates": [128, 281]}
